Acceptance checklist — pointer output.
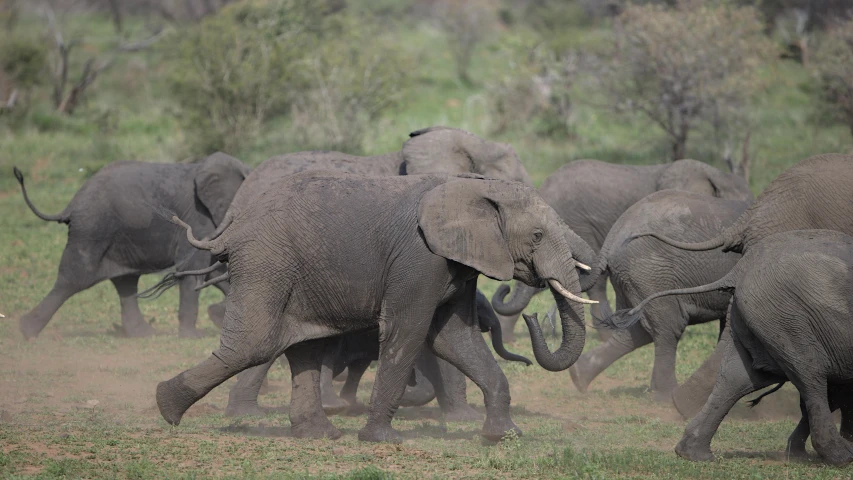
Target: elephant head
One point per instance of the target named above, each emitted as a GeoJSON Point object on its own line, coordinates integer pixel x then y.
{"type": "Point", "coordinates": [216, 182]}
{"type": "Point", "coordinates": [699, 177]}
{"type": "Point", "coordinates": [505, 230]}
{"type": "Point", "coordinates": [441, 149]}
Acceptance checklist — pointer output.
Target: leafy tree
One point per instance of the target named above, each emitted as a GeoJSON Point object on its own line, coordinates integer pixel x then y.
{"type": "Point", "coordinates": [833, 62]}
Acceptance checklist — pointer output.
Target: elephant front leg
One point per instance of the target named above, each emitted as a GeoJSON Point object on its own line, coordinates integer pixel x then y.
{"type": "Point", "coordinates": [825, 436]}
{"type": "Point", "coordinates": [243, 396]}
{"type": "Point", "coordinates": [132, 322]}
{"type": "Point", "coordinates": [450, 390]}
{"type": "Point", "coordinates": [188, 308]}
{"type": "Point", "coordinates": [307, 418]}
{"type": "Point", "coordinates": [462, 345]}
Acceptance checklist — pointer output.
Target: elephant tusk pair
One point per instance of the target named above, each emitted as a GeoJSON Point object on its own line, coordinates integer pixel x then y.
{"type": "Point", "coordinates": [571, 296]}
{"type": "Point", "coordinates": [582, 266]}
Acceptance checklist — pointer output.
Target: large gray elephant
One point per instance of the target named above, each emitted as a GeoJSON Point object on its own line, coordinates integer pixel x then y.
{"type": "Point", "coordinates": [790, 321]}
{"type": "Point", "coordinates": [590, 196]}
{"type": "Point", "coordinates": [814, 194]}
{"type": "Point", "coordinates": [635, 271]}
{"type": "Point", "coordinates": [114, 233]}
{"type": "Point", "coordinates": [368, 243]}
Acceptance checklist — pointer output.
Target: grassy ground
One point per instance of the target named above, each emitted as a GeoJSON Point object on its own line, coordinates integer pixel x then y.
{"type": "Point", "coordinates": [78, 401]}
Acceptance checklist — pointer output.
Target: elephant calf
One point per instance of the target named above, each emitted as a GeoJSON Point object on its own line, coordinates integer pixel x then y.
{"type": "Point", "coordinates": [635, 270]}
{"type": "Point", "coordinates": [399, 253]}
{"type": "Point", "coordinates": [115, 233]}
{"type": "Point", "coordinates": [790, 321]}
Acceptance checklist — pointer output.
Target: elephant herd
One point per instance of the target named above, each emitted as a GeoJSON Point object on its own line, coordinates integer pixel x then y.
{"type": "Point", "coordinates": [330, 261]}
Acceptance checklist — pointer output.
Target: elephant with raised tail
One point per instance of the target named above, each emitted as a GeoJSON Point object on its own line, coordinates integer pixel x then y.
{"type": "Point", "coordinates": [789, 321]}
{"type": "Point", "coordinates": [816, 193]}
{"type": "Point", "coordinates": [369, 243]}
{"type": "Point", "coordinates": [636, 271]}
{"type": "Point", "coordinates": [590, 196]}
{"type": "Point", "coordinates": [114, 233]}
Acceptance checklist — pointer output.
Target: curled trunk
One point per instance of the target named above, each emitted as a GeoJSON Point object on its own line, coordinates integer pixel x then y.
{"type": "Point", "coordinates": [521, 296]}
{"type": "Point", "coordinates": [574, 335]}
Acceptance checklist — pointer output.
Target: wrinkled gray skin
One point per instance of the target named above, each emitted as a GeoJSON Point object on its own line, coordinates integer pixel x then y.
{"type": "Point", "coordinates": [434, 378]}
{"type": "Point", "coordinates": [114, 233]}
{"type": "Point", "coordinates": [790, 321]}
{"type": "Point", "coordinates": [590, 196]}
{"type": "Point", "coordinates": [814, 194]}
{"type": "Point", "coordinates": [435, 149]}
{"type": "Point", "coordinates": [635, 271]}
{"type": "Point", "coordinates": [367, 243]}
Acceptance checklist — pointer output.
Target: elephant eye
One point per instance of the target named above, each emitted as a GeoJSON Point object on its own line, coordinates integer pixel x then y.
{"type": "Point", "coordinates": [537, 236]}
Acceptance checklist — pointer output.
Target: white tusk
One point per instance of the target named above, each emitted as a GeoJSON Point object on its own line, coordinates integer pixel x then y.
{"type": "Point", "coordinates": [571, 296]}
{"type": "Point", "coordinates": [2, 316]}
{"type": "Point", "coordinates": [582, 266]}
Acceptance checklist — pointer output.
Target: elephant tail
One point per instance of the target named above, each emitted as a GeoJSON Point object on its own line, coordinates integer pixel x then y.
{"type": "Point", "coordinates": [61, 218]}
{"type": "Point", "coordinates": [171, 279]}
{"type": "Point", "coordinates": [755, 401]}
{"type": "Point", "coordinates": [628, 317]}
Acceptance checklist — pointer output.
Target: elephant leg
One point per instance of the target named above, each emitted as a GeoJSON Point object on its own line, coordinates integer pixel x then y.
{"type": "Point", "coordinates": [132, 322]}
{"type": "Point", "coordinates": [423, 391]}
{"type": "Point", "coordinates": [598, 292]}
{"type": "Point", "coordinates": [216, 312]}
{"type": "Point", "coordinates": [251, 335]}
{"type": "Point", "coordinates": [32, 323]}
{"type": "Point", "coordinates": [355, 370]}
{"type": "Point", "coordinates": [595, 361]}
{"type": "Point", "coordinates": [243, 396]}
{"type": "Point", "coordinates": [689, 397]}
{"type": "Point", "coordinates": [188, 308]}
{"type": "Point", "coordinates": [825, 437]}
{"type": "Point", "coordinates": [307, 419]}
{"type": "Point", "coordinates": [331, 402]}
{"type": "Point", "coordinates": [668, 324]}
{"type": "Point", "coordinates": [451, 391]}
{"type": "Point", "coordinates": [840, 397]}
{"type": "Point", "coordinates": [796, 448]}
{"type": "Point", "coordinates": [736, 379]}
{"type": "Point", "coordinates": [398, 350]}
{"type": "Point", "coordinates": [460, 343]}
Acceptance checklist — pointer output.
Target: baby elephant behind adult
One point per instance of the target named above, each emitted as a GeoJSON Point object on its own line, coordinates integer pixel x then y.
{"type": "Point", "coordinates": [367, 243]}
{"type": "Point", "coordinates": [114, 233]}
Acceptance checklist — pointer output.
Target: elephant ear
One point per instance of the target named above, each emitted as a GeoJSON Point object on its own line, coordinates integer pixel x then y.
{"type": "Point", "coordinates": [699, 177]}
{"type": "Point", "coordinates": [440, 149]}
{"type": "Point", "coordinates": [461, 223]}
{"type": "Point", "coordinates": [216, 182]}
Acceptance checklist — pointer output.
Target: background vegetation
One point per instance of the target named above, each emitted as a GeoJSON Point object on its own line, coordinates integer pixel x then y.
{"type": "Point", "coordinates": [85, 83]}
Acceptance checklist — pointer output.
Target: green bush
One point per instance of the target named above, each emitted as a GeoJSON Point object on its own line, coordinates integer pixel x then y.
{"type": "Point", "coordinates": [23, 59]}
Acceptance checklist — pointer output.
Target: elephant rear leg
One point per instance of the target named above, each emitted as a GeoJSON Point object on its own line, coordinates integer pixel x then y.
{"type": "Point", "coordinates": [132, 322]}
{"type": "Point", "coordinates": [307, 419]}
{"type": "Point", "coordinates": [450, 390]}
{"type": "Point", "coordinates": [243, 396]}
{"type": "Point", "coordinates": [355, 370]}
{"type": "Point", "coordinates": [188, 308]}
{"type": "Point", "coordinates": [736, 378]}
{"type": "Point", "coordinates": [332, 403]}
{"type": "Point", "coordinates": [826, 439]}
{"type": "Point", "coordinates": [595, 361]}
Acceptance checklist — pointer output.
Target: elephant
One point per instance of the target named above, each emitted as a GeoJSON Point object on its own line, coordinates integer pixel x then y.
{"type": "Point", "coordinates": [368, 243]}
{"type": "Point", "coordinates": [813, 194]}
{"type": "Point", "coordinates": [433, 377]}
{"type": "Point", "coordinates": [590, 195]}
{"type": "Point", "coordinates": [114, 233]}
{"type": "Point", "coordinates": [634, 269]}
{"type": "Point", "coordinates": [789, 321]}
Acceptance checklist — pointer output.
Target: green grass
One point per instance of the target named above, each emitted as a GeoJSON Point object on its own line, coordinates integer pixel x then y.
{"type": "Point", "coordinates": [48, 429]}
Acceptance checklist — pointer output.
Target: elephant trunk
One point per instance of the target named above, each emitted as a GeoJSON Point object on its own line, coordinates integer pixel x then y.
{"type": "Point", "coordinates": [585, 255]}
{"type": "Point", "coordinates": [521, 296]}
{"type": "Point", "coordinates": [574, 333]}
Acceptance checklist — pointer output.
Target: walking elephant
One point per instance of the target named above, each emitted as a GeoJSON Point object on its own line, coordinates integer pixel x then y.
{"type": "Point", "coordinates": [368, 243]}
{"type": "Point", "coordinates": [814, 194]}
{"type": "Point", "coordinates": [590, 196]}
{"type": "Point", "coordinates": [790, 321]}
{"type": "Point", "coordinates": [635, 271]}
{"type": "Point", "coordinates": [114, 233]}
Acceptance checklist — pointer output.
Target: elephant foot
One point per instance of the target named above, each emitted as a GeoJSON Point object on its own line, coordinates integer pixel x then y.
{"type": "Point", "coordinates": [333, 404]}
{"type": "Point", "coordinates": [694, 454]}
{"type": "Point", "coordinates": [136, 329]}
{"type": "Point", "coordinates": [189, 332]}
{"type": "Point", "coordinates": [317, 429]}
{"type": "Point", "coordinates": [496, 430]}
{"type": "Point", "coordinates": [241, 409]}
{"type": "Point", "coordinates": [28, 329]}
{"type": "Point", "coordinates": [797, 453]}
{"type": "Point", "coordinates": [662, 396]}
{"type": "Point", "coordinates": [373, 433]}
{"type": "Point", "coordinates": [463, 413]}
{"type": "Point", "coordinates": [216, 314]}
{"type": "Point", "coordinates": [172, 401]}
{"type": "Point", "coordinates": [839, 455]}
{"type": "Point", "coordinates": [578, 377]}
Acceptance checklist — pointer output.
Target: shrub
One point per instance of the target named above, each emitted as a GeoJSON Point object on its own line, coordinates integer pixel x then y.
{"type": "Point", "coordinates": [833, 62]}
{"type": "Point", "coordinates": [22, 66]}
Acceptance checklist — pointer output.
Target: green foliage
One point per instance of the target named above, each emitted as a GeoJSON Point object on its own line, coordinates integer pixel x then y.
{"type": "Point", "coordinates": [23, 60]}
{"type": "Point", "coordinates": [833, 62]}
{"type": "Point", "coordinates": [368, 473]}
